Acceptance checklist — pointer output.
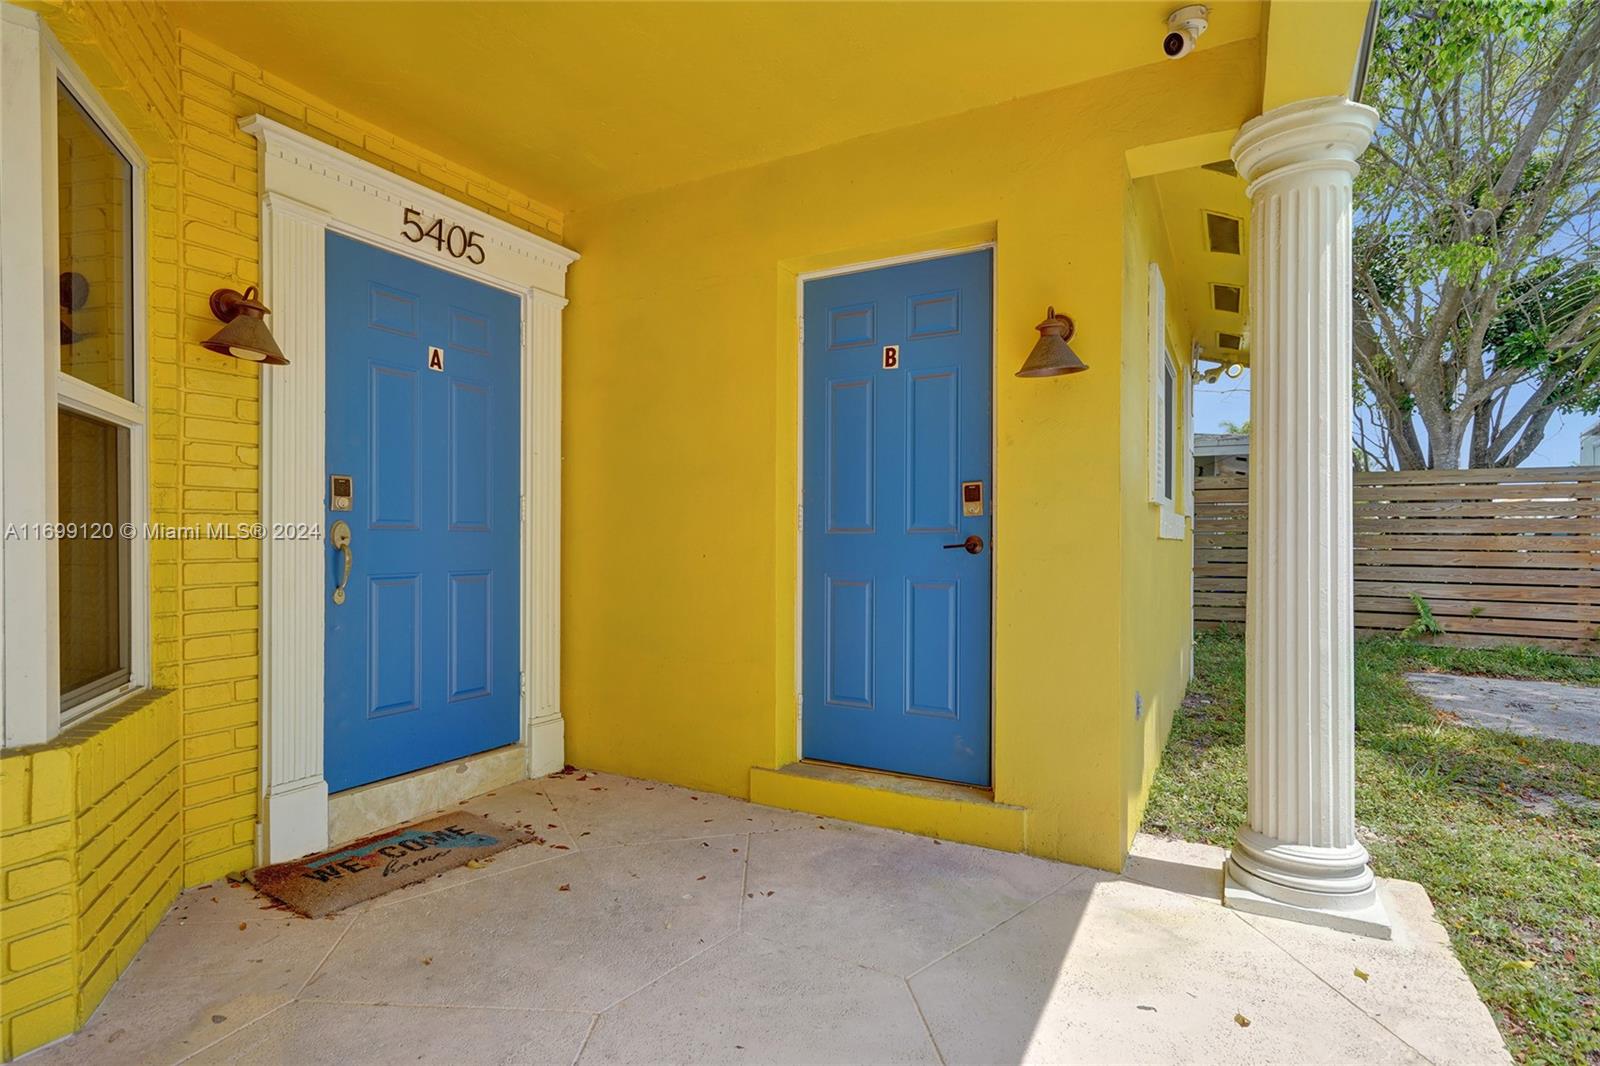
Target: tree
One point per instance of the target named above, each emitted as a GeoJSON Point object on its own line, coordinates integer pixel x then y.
{"type": "Point", "coordinates": [1476, 269]}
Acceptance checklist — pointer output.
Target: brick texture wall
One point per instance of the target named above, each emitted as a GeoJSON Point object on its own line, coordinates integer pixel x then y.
{"type": "Point", "coordinates": [99, 829]}
{"type": "Point", "coordinates": [89, 861]}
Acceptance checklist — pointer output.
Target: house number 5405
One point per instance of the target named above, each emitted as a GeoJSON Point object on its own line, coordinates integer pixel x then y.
{"type": "Point", "coordinates": [457, 240]}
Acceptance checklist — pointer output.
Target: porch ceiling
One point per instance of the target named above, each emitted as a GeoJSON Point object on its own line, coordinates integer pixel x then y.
{"type": "Point", "coordinates": [1187, 196]}
{"type": "Point", "coordinates": [582, 103]}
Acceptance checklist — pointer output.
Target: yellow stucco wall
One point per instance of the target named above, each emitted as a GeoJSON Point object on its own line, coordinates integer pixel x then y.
{"type": "Point", "coordinates": [100, 828]}
{"type": "Point", "coordinates": [680, 440]}
{"type": "Point", "coordinates": [1157, 619]}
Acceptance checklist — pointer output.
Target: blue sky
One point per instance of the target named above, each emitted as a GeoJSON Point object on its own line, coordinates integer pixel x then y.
{"type": "Point", "coordinates": [1229, 401]}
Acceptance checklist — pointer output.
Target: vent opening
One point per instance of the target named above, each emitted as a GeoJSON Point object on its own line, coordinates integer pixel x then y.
{"type": "Point", "coordinates": [1222, 233]}
{"type": "Point", "coordinates": [1225, 297]}
{"type": "Point", "coordinates": [1229, 342]}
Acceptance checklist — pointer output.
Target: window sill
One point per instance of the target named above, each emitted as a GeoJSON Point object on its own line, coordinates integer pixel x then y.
{"type": "Point", "coordinates": [86, 726]}
{"type": "Point", "coordinates": [1173, 526]}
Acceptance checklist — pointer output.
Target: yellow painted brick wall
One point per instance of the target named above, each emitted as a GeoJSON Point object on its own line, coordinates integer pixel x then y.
{"type": "Point", "coordinates": [89, 861]}
{"type": "Point", "coordinates": [103, 826]}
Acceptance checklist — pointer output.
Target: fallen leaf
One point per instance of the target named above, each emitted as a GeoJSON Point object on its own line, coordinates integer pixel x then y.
{"type": "Point", "coordinates": [1361, 973]}
{"type": "Point", "coordinates": [1242, 1021]}
{"type": "Point", "coordinates": [428, 961]}
{"type": "Point", "coordinates": [478, 864]}
{"type": "Point", "coordinates": [769, 892]}
{"type": "Point", "coordinates": [551, 825]}
{"type": "Point", "coordinates": [559, 847]}
{"type": "Point", "coordinates": [1144, 1007]}
{"type": "Point", "coordinates": [702, 877]}
{"type": "Point", "coordinates": [243, 924]}
{"type": "Point", "coordinates": [564, 888]}
{"type": "Point", "coordinates": [1521, 964]}
{"type": "Point", "coordinates": [218, 1019]}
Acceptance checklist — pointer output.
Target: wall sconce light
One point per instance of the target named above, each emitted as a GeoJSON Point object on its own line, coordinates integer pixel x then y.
{"type": "Point", "coordinates": [1051, 355]}
{"type": "Point", "coordinates": [245, 334]}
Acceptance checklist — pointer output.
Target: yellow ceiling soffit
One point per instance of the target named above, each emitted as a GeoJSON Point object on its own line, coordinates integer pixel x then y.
{"type": "Point", "coordinates": [587, 103]}
{"type": "Point", "coordinates": [1313, 48]}
{"type": "Point", "coordinates": [1151, 159]}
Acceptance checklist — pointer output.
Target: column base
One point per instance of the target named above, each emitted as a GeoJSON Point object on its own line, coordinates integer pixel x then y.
{"type": "Point", "coordinates": [296, 822]}
{"type": "Point", "coordinates": [1330, 887]}
{"type": "Point", "coordinates": [1372, 920]}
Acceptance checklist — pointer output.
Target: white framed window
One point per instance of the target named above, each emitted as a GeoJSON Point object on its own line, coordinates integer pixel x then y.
{"type": "Point", "coordinates": [1167, 448]}
{"type": "Point", "coordinates": [73, 400]}
{"type": "Point", "coordinates": [1167, 432]}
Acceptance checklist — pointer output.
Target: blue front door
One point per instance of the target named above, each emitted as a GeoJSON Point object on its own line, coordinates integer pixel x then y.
{"type": "Point", "coordinates": [895, 646]}
{"type": "Point", "coordinates": [421, 657]}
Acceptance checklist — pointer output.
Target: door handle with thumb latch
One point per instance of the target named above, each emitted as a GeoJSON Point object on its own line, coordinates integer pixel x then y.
{"type": "Point", "coordinates": [339, 537]}
{"type": "Point", "coordinates": [973, 544]}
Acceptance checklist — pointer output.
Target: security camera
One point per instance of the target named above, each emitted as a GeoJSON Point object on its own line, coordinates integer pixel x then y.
{"type": "Point", "coordinates": [1184, 27]}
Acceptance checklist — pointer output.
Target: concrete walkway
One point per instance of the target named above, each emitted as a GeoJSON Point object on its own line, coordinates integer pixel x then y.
{"type": "Point", "coordinates": [1527, 708]}
{"type": "Point", "coordinates": [660, 925]}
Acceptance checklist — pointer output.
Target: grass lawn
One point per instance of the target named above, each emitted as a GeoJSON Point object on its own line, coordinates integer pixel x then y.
{"type": "Point", "coordinates": [1447, 806]}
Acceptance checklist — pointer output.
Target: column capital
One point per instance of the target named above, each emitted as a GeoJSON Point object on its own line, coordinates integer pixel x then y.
{"type": "Point", "coordinates": [1329, 132]}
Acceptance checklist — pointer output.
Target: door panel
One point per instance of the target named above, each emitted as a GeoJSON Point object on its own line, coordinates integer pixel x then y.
{"type": "Point", "coordinates": [896, 628]}
{"type": "Point", "coordinates": [421, 659]}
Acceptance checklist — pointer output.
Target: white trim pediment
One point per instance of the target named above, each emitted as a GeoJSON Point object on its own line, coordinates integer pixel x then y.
{"type": "Point", "coordinates": [365, 197]}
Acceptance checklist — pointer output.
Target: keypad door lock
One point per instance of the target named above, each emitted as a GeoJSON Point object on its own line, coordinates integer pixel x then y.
{"type": "Point", "coordinates": [341, 492]}
{"type": "Point", "coordinates": [972, 499]}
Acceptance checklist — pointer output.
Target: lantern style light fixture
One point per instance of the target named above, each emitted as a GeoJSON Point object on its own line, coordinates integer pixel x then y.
{"type": "Point", "coordinates": [1051, 355]}
{"type": "Point", "coordinates": [244, 334]}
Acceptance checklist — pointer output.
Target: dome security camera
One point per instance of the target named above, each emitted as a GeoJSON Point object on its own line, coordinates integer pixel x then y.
{"type": "Point", "coordinates": [1184, 27]}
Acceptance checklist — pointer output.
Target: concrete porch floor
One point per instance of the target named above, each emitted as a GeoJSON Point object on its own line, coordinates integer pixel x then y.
{"type": "Point", "coordinates": [661, 925]}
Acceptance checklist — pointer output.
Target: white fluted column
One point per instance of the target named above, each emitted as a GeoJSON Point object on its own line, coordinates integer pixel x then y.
{"type": "Point", "coordinates": [541, 542]}
{"type": "Point", "coordinates": [294, 813]}
{"type": "Point", "coordinates": [1299, 857]}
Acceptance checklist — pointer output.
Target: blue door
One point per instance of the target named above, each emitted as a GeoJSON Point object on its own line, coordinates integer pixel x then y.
{"type": "Point", "coordinates": [421, 656]}
{"type": "Point", "coordinates": [896, 520]}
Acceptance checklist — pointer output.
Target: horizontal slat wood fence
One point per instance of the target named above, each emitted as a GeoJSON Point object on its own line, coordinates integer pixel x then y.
{"type": "Point", "coordinates": [1500, 556]}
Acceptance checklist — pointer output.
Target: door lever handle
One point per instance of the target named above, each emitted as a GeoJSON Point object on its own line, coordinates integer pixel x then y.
{"type": "Point", "coordinates": [339, 537]}
{"type": "Point", "coordinates": [973, 544]}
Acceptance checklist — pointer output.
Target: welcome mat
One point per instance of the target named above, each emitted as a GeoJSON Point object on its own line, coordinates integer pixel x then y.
{"type": "Point", "coordinates": [321, 884]}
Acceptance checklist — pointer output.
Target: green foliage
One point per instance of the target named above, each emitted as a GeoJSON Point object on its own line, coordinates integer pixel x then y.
{"type": "Point", "coordinates": [1426, 624]}
{"type": "Point", "coordinates": [1451, 807]}
{"type": "Point", "coordinates": [1477, 274]}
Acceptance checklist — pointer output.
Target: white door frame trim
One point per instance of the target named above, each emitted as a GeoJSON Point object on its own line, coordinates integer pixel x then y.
{"type": "Point", "coordinates": [307, 189]}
